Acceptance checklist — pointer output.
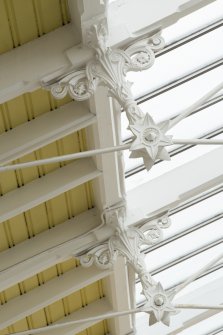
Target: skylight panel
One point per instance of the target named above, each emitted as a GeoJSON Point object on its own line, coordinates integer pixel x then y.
{"type": "Point", "coordinates": [165, 166]}
{"type": "Point", "coordinates": [173, 101]}
{"type": "Point", "coordinates": [206, 327]}
{"type": "Point", "coordinates": [197, 125]}
{"type": "Point", "coordinates": [195, 214]}
{"type": "Point", "coordinates": [194, 21]}
{"type": "Point", "coordinates": [178, 62]}
{"type": "Point", "coordinates": [175, 274]}
{"type": "Point", "coordinates": [184, 245]}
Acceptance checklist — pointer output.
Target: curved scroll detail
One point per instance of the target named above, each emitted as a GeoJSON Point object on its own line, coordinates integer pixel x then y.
{"type": "Point", "coordinates": [59, 91]}
{"type": "Point", "coordinates": [142, 54]}
{"type": "Point", "coordinates": [152, 233]}
{"type": "Point", "coordinates": [141, 57]}
{"type": "Point", "coordinates": [101, 256]}
{"type": "Point", "coordinates": [78, 85]}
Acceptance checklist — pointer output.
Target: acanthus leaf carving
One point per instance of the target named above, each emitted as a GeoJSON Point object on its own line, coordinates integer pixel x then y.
{"type": "Point", "coordinates": [127, 242]}
{"type": "Point", "coordinates": [109, 68]}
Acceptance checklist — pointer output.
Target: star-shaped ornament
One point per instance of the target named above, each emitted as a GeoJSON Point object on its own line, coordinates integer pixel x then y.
{"type": "Point", "coordinates": [159, 305]}
{"type": "Point", "coordinates": [150, 140]}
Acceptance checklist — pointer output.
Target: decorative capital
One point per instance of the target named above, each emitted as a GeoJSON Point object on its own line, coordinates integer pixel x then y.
{"type": "Point", "coordinates": [97, 36]}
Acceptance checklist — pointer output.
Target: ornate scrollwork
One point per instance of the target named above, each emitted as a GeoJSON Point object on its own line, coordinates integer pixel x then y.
{"type": "Point", "coordinates": [78, 85]}
{"type": "Point", "coordinates": [109, 68]}
{"type": "Point", "coordinates": [127, 242]}
{"type": "Point", "coordinates": [101, 256]}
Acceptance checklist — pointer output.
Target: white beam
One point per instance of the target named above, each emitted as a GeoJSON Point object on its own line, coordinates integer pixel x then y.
{"type": "Point", "coordinates": [48, 248]}
{"type": "Point", "coordinates": [47, 187]}
{"type": "Point", "coordinates": [22, 68]}
{"type": "Point", "coordinates": [108, 188]}
{"type": "Point", "coordinates": [96, 308]}
{"type": "Point", "coordinates": [117, 292]}
{"type": "Point", "coordinates": [152, 16]}
{"type": "Point", "coordinates": [43, 130]}
{"type": "Point", "coordinates": [52, 291]}
{"type": "Point", "coordinates": [174, 187]}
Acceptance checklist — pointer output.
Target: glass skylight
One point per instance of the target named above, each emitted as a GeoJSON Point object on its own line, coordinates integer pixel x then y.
{"type": "Point", "coordinates": [179, 62]}
{"type": "Point", "coordinates": [166, 105]}
{"type": "Point", "coordinates": [194, 21]}
{"type": "Point", "coordinates": [195, 214]}
{"type": "Point", "coordinates": [197, 125]}
{"type": "Point", "coordinates": [165, 166]}
{"type": "Point", "coordinates": [174, 275]}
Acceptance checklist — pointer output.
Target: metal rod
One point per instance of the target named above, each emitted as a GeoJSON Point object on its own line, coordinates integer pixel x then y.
{"type": "Point", "coordinates": [197, 274]}
{"type": "Point", "coordinates": [195, 105]}
{"type": "Point", "coordinates": [64, 158]}
{"type": "Point", "coordinates": [94, 152]}
{"type": "Point", "coordinates": [197, 141]}
{"type": "Point", "coordinates": [191, 306]}
{"type": "Point", "coordinates": [71, 323]}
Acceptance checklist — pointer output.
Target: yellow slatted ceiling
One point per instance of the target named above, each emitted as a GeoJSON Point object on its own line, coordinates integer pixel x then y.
{"type": "Point", "coordinates": [22, 21]}
{"type": "Point", "coordinates": [46, 215]}
{"type": "Point", "coordinates": [35, 321]}
{"type": "Point", "coordinates": [56, 210]}
{"type": "Point", "coordinates": [61, 308]}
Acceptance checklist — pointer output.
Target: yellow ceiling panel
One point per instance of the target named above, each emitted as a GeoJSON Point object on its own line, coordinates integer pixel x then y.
{"type": "Point", "coordinates": [10, 180]}
{"type": "Point", "coordinates": [27, 107]}
{"type": "Point", "coordinates": [6, 42]}
{"type": "Point", "coordinates": [61, 309]}
{"type": "Point", "coordinates": [100, 328]}
{"type": "Point", "coordinates": [22, 21]}
{"type": "Point", "coordinates": [21, 16]}
{"type": "Point", "coordinates": [45, 216]}
{"type": "Point", "coordinates": [36, 219]}
{"type": "Point", "coordinates": [36, 320]}
{"type": "Point", "coordinates": [17, 231]}
{"type": "Point", "coordinates": [37, 280]}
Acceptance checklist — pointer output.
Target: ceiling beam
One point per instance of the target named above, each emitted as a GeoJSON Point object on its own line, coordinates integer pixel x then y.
{"type": "Point", "coordinates": [43, 130]}
{"type": "Point", "coordinates": [59, 181]}
{"type": "Point", "coordinates": [109, 188]}
{"type": "Point", "coordinates": [23, 68]}
{"type": "Point", "coordinates": [117, 288]}
{"type": "Point", "coordinates": [108, 191]}
{"type": "Point", "coordinates": [48, 248]}
{"type": "Point", "coordinates": [48, 293]}
{"type": "Point", "coordinates": [175, 187]}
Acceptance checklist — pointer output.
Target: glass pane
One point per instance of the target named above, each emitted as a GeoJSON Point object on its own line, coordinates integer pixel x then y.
{"type": "Point", "coordinates": [190, 288]}
{"type": "Point", "coordinates": [194, 22]}
{"type": "Point", "coordinates": [195, 126]}
{"type": "Point", "coordinates": [179, 62]}
{"type": "Point", "coordinates": [165, 166]}
{"type": "Point", "coordinates": [174, 101]}
{"type": "Point", "coordinates": [181, 271]}
{"type": "Point", "coordinates": [177, 99]}
{"type": "Point", "coordinates": [206, 326]}
{"type": "Point", "coordinates": [195, 214]}
{"type": "Point", "coordinates": [185, 245]}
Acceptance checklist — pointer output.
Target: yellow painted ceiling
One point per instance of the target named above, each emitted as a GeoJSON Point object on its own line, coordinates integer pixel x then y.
{"type": "Point", "coordinates": [46, 215]}
{"type": "Point", "coordinates": [22, 21]}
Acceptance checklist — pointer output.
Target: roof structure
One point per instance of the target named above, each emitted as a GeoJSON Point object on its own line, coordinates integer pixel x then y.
{"type": "Point", "coordinates": [73, 232]}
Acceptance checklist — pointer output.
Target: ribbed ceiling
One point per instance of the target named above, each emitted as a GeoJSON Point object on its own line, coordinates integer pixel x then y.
{"type": "Point", "coordinates": [22, 21]}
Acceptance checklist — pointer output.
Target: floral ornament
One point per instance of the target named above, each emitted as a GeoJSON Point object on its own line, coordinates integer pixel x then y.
{"type": "Point", "coordinates": [159, 305]}
{"type": "Point", "coordinates": [150, 140]}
